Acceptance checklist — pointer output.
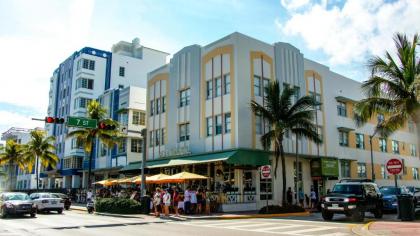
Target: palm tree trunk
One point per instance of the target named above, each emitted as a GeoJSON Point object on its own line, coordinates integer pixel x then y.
{"type": "Point", "coordinates": [90, 165]}
{"type": "Point", "coordinates": [10, 176]}
{"type": "Point", "coordinates": [37, 172]}
{"type": "Point", "coordinates": [283, 171]}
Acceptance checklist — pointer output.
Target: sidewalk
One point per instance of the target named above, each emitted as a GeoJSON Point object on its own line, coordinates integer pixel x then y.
{"type": "Point", "coordinates": [386, 228]}
{"type": "Point", "coordinates": [216, 216]}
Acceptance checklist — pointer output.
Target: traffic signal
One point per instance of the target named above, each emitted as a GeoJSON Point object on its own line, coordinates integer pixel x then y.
{"type": "Point", "coordinates": [54, 120]}
{"type": "Point", "coordinates": [104, 126]}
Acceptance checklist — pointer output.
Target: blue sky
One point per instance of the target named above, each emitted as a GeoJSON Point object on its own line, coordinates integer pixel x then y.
{"type": "Point", "coordinates": [35, 36]}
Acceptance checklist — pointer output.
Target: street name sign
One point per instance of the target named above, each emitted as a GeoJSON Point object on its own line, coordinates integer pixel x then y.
{"type": "Point", "coordinates": [394, 166]}
{"type": "Point", "coordinates": [266, 172]}
{"type": "Point", "coordinates": [81, 122]}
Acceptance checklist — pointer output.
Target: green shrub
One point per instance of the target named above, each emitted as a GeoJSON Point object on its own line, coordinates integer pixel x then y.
{"type": "Point", "coordinates": [117, 206]}
{"type": "Point", "coordinates": [274, 209]}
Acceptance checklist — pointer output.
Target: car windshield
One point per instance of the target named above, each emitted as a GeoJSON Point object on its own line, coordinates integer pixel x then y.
{"type": "Point", "coordinates": [58, 195]}
{"type": "Point", "coordinates": [390, 191]}
{"type": "Point", "coordinates": [17, 197]}
{"type": "Point", "coordinates": [348, 189]}
{"type": "Point", "coordinates": [46, 195]}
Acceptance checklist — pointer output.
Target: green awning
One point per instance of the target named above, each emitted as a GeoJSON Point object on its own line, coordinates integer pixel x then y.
{"type": "Point", "coordinates": [239, 157]}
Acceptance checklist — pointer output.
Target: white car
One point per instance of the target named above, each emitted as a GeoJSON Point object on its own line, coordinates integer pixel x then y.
{"type": "Point", "coordinates": [46, 202]}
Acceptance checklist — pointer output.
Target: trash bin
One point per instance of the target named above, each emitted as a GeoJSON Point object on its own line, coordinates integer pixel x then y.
{"type": "Point", "coordinates": [406, 209]}
{"type": "Point", "coordinates": [145, 205]}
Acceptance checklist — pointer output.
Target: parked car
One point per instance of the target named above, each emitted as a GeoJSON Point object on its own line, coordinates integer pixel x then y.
{"type": "Point", "coordinates": [389, 196]}
{"type": "Point", "coordinates": [353, 198]}
{"type": "Point", "coordinates": [46, 202]}
{"type": "Point", "coordinates": [16, 204]}
{"type": "Point", "coordinates": [67, 200]}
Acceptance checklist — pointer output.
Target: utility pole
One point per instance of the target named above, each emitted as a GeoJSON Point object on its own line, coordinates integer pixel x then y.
{"type": "Point", "coordinates": [143, 163]}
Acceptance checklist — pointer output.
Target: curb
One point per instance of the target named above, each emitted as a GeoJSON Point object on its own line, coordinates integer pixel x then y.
{"type": "Point", "coordinates": [306, 213]}
{"type": "Point", "coordinates": [363, 230]}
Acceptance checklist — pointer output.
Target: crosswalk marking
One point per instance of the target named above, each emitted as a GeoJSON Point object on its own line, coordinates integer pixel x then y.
{"type": "Point", "coordinates": [270, 229]}
{"type": "Point", "coordinates": [303, 231]}
{"type": "Point", "coordinates": [249, 225]}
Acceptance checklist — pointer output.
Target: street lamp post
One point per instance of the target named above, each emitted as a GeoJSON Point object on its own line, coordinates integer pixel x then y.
{"type": "Point", "coordinates": [371, 156]}
{"type": "Point", "coordinates": [143, 163]}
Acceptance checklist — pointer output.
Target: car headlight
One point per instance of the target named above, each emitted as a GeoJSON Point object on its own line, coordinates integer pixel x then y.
{"type": "Point", "coordinates": [9, 205]}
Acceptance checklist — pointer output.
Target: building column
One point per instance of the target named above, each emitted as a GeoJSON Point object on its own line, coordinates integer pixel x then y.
{"type": "Point", "coordinates": [75, 181]}
{"type": "Point", "coordinates": [66, 181]}
{"type": "Point", "coordinates": [84, 180]}
{"type": "Point", "coordinates": [51, 183]}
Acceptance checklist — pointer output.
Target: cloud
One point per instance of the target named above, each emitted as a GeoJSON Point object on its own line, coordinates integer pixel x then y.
{"type": "Point", "coordinates": [352, 30]}
{"type": "Point", "coordinates": [292, 5]}
{"type": "Point", "coordinates": [14, 119]}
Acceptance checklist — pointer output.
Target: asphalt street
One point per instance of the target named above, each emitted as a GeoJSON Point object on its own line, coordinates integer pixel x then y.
{"type": "Point", "coordinates": [74, 223]}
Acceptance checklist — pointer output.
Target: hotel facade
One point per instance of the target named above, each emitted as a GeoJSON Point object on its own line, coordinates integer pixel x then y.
{"type": "Point", "coordinates": [199, 119]}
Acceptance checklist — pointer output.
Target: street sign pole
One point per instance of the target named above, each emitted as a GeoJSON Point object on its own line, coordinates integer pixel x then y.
{"type": "Point", "coordinates": [396, 181]}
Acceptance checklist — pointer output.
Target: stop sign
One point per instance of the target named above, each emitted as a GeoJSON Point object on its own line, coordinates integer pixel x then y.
{"type": "Point", "coordinates": [394, 166]}
{"type": "Point", "coordinates": [266, 172]}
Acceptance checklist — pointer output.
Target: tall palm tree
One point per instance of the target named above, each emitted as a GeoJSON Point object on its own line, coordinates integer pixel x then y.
{"type": "Point", "coordinates": [12, 157]}
{"type": "Point", "coordinates": [394, 87]}
{"type": "Point", "coordinates": [40, 150]}
{"type": "Point", "coordinates": [285, 117]}
{"type": "Point", "coordinates": [88, 136]}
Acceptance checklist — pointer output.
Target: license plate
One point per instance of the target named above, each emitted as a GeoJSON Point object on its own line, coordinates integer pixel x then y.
{"type": "Point", "coordinates": [335, 205]}
{"type": "Point", "coordinates": [53, 202]}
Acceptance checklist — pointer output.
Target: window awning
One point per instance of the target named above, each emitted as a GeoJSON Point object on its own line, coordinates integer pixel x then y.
{"type": "Point", "coordinates": [344, 99]}
{"type": "Point", "coordinates": [239, 157]}
{"type": "Point", "coordinates": [346, 129]}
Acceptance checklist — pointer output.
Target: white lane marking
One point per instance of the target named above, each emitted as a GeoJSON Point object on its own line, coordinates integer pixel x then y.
{"type": "Point", "coordinates": [250, 225]}
{"type": "Point", "coordinates": [221, 224]}
{"type": "Point", "coordinates": [338, 234]}
{"type": "Point", "coordinates": [269, 229]}
{"type": "Point", "coordinates": [302, 231]}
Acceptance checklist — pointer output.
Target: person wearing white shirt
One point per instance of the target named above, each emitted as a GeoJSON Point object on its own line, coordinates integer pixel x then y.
{"type": "Point", "coordinates": [89, 195]}
{"type": "Point", "coordinates": [166, 201]}
{"type": "Point", "coordinates": [193, 194]}
{"type": "Point", "coordinates": [187, 200]}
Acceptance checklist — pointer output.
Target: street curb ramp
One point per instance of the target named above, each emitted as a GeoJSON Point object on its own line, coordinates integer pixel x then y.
{"type": "Point", "coordinates": [363, 230]}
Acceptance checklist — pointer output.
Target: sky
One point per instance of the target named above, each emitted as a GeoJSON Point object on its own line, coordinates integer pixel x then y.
{"type": "Point", "coordinates": [36, 36]}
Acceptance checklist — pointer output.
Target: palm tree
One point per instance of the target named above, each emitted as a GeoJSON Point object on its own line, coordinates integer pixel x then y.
{"type": "Point", "coordinates": [394, 87]}
{"type": "Point", "coordinates": [88, 136]}
{"type": "Point", "coordinates": [285, 117]}
{"type": "Point", "coordinates": [40, 150]}
{"type": "Point", "coordinates": [12, 157]}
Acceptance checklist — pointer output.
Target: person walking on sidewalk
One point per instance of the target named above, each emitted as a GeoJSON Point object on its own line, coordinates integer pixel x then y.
{"type": "Point", "coordinates": [289, 195]}
{"type": "Point", "coordinates": [157, 202]}
{"type": "Point", "coordinates": [313, 199]}
{"type": "Point", "coordinates": [166, 202]}
{"type": "Point", "coordinates": [187, 200]}
{"type": "Point", "coordinates": [175, 199]}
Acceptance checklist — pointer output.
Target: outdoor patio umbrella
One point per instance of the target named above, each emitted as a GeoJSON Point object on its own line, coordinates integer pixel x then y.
{"type": "Point", "coordinates": [181, 177]}
{"type": "Point", "coordinates": [104, 182]}
{"type": "Point", "coordinates": [151, 179]}
{"type": "Point", "coordinates": [125, 180]}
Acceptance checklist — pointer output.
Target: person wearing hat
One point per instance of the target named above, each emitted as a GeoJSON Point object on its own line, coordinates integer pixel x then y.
{"type": "Point", "coordinates": [166, 202]}
{"type": "Point", "coordinates": [157, 201]}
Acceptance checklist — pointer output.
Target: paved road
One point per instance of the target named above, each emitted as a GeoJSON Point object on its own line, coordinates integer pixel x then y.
{"type": "Point", "coordinates": [74, 223]}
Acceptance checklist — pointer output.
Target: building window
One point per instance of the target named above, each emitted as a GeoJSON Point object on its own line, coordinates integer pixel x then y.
{"type": "Point", "coordinates": [151, 140]}
{"type": "Point", "coordinates": [121, 71]}
{"type": "Point", "coordinates": [163, 104]}
{"type": "Point", "coordinates": [218, 124]}
{"type": "Point", "coordinates": [381, 118]}
{"type": "Point", "coordinates": [152, 107]}
{"type": "Point", "coordinates": [226, 80]}
{"type": "Point", "coordinates": [343, 138]}
{"type": "Point", "coordinates": [142, 118]}
{"type": "Point", "coordinates": [413, 150]}
{"type": "Point", "coordinates": [384, 173]}
{"type": "Point", "coordinates": [184, 132]}
{"type": "Point", "coordinates": [157, 137]}
{"type": "Point", "coordinates": [157, 106]}
{"type": "Point", "coordinates": [415, 173]}
{"type": "Point", "coordinates": [136, 117]}
{"type": "Point", "coordinates": [299, 173]}
{"type": "Point", "coordinates": [257, 85]}
{"type": "Point", "coordinates": [88, 64]}
{"type": "Point", "coordinates": [162, 137]}
{"type": "Point", "coordinates": [209, 89]}
{"type": "Point", "coordinates": [361, 170]}
{"type": "Point", "coordinates": [410, 125]}
{"type": "Point", "coordinates": [123, 118]}
{"type": "Point", "coordinates": [345, 168]}
{"type": "Point", "coordinates": [103, 149]}
{"type": "Point", "coordinates": [136, 145]}
{"type": "Point", "coordinates": [342, 109]}
{"type": "Point", "coordinates": [266, 83]}
{"type": "Point", "coordinates": [122, 146]}
{"type": "Point", "coordinates": [317, 98]}
{"type": "Point", "coordinates": [227, 123]}
{"type": "Point", "coordinates": [382, 145]}
{"type": "Point", "coordinates": [218, 82]}
{"type": "Point", "coordinates": [84, 83]}
{"type": "Point", "coordinates": [360, 141]}
{"type": "Point", "coordinates": [81, 102]}
{"type": "Point", "coordinates": [258, 124]}
{"type": "Point", "coordinates": [209, 122]}
{"type": "Point", "coordinates": [266, 189]}
{"type": "Point", "coordinates": [184, 98]}
{"type": "Point", "coordinates": [395, 147]}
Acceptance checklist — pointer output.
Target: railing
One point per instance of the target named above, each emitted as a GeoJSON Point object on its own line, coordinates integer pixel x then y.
{"type": "Point", "coordinates": [234, 197]}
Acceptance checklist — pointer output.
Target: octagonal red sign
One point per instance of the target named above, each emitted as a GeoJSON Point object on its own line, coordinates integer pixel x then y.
{"type": "Point", "coordinates": [394, 166]}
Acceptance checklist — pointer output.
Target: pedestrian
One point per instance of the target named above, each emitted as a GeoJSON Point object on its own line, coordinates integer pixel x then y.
{"type": "Point", "coordinates": [166, 202]}
{"type": "Point", "coordinates": [157, 201]}
{"type": "Point", "coordinates": [175, 200]}
{"type": "Point", "coordinates": [307, 200]}
{"type": "Point", "coordinates": [313, 199]}
{"type": "Point", "coordinates": [301, 197]}
{"type": "Point", "coordinates": [193, 195]}
{"type": "Point", "coordinates": [289, 195]}
{"type": "Point", "coordinates": [200, 199]}
{"type": "Point", "coordinates": [207, 194]}
{"type": "Point", "coordinates": [89, 195]}
{"type": "Point", "coordinates": [187, 201]}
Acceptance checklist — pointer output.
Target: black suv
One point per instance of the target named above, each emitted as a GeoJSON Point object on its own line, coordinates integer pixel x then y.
{"type": "Point", "coordinates": [353, 198]}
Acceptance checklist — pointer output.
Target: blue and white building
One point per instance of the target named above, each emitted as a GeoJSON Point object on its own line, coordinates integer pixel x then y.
{"type": "Point", "coordinates": [86, 75]}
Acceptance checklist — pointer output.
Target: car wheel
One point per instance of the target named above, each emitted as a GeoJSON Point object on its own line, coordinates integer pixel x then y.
{"type": "Point", "coordinates": [327, 215]}
{"type": "Point", "coordinates": [358, 215]}
{"type": "Point", "coordinates": [60, 211]}
{"type": "Point", "coordinates": [378, 213]}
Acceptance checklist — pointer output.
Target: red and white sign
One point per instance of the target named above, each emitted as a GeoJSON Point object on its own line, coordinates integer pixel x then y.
{"type": "Point", "coordinates": [266, 172]}
{"type": "Point", "coordinates": [394, 166]}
